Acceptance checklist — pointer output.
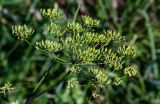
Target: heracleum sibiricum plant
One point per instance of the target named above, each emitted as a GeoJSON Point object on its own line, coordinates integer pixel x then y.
{"type": "Point", "coordinates": [91, 58]}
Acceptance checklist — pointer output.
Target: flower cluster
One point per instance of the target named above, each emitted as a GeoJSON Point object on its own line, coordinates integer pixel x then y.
{"type": "Point", "coordinates": [130, 71]}
{"type": "Point", "coordinates": [54, 29]}
{"type": "Point", "coordinates": [74, 27]}
{"type": "Point", "coordinates": [87, 55]}
{"type": "Point", "coordinates": [90, 22]}
{"type": "Point", "coordinates": [99, 54]}
{"type": "Point", "coordinates": [115, 36]}
{"type": "Point", "coordinates": [51, 13]}
{"type": "Point", "coordinates": [117, 81]}
{"type": "Point", "coordinates": [127, 50]}
{"type": "Point", "coordinates": [73, 82]}
{"type": "Point", "coordinates": [112, 60]}
{"type": "Point", "coordinates": [48, 46]}
{"type": "Point", "coordinates": [101, 77]}
{"type": "Point", "coordinates": [22, 31]}
{"type": "Point", "coordinates": [6, 88]}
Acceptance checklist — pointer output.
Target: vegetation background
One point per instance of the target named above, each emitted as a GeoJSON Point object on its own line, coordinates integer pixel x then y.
{"type": "Point", "coordinates": [23, 66]}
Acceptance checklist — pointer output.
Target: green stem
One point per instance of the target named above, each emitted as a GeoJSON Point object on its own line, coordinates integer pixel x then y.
{"type": "Point", "coordinates": [28, 42]}
{"type": "Point", "coordinates": [59, 59]}
{"type": "Point", "coordinates": [75, 16]}
{"type": "Point", "coordinates": [111, 73]}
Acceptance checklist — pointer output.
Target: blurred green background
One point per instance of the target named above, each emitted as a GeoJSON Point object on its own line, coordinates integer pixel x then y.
{"type": "Point", "coordinates": [24, 66]}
